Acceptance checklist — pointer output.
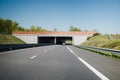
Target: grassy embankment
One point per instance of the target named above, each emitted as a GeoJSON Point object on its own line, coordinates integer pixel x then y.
{"type": "Point", "coordinates": [104, 41]}
{"type": "Point", "coordinates": [9, 39]}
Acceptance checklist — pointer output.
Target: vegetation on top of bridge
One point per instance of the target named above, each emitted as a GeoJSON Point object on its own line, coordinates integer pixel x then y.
{"type": "Point", "coordinates": [72, 28]}
{"type": "Point", "coordinates": [7, 26]}
{"type": "Point", "coordinates": [111, 41]}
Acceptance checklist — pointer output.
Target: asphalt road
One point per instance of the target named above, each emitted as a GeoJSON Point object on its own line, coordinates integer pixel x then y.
{"type": "Point", "coordinates": [57, 62]}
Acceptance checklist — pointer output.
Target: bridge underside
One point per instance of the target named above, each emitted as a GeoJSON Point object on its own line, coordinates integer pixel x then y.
{"type": "Point", "coordinates": [55, 40]}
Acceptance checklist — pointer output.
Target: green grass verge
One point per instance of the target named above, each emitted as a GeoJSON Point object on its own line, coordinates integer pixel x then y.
{"type": "Point", "coordinates": [102, 52]}
{"type": "Point", "coordinates": [9, 39]}
{"type": "Point", "coordinates": [103, 41]}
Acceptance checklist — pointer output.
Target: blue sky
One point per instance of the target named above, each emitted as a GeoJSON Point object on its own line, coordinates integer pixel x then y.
{"type": "Point", "coordinates": [100, 15]}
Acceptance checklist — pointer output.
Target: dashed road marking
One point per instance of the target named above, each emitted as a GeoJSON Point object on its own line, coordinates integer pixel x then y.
{"type": "Point", "coordinates": [33, 57]}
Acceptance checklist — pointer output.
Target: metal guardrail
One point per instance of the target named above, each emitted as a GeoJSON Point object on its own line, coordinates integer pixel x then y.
{"type": "Point", "coordinates": [103, 49]}
{"type": "Point", "coordinates": [8, 47]}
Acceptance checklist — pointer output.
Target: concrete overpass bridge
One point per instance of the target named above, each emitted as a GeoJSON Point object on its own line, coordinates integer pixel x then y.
{"type": "Point", "coordinates": [56, 37]}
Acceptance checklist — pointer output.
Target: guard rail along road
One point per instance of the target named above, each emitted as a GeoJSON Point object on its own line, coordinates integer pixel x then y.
{"type": "Point", "coordinates": [102, 49]}
{"type": "Point", "coordinates": [9, 47]}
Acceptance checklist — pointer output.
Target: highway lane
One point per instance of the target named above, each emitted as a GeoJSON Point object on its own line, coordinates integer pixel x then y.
{"type": "Point", "coordinates": [110, 67]}
{"type": "Point", "coordinates": [55, 62]}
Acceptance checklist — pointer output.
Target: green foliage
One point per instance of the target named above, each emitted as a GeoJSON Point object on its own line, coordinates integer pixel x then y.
{"type": "Point", "coordinates": [8, 26]}
{"type": "Point", "coordinates": [15, 26]}
{"type": "Point", "coordinates": [9, 39]}
{"type": "Point", "coordinates": [55, 29]}
{"type": "Point", "coordinates": [5, 26]}
{"type": "Point", "coordinates": [32, 28]}
{"type": "Point", "coordinates": [38, 28]}
{"type": "Point", "coordinates": [113, 44]}
{"type": "Point", "coordinates": [20, 29]}
{"type": "Point", "coordinates": [116, 55]}
{"type": "Point", "coordinates": [113, 36]}
{"type": "Point", "coordinates": [72, 28]}
{"type": "Point", "coordinates": [103, 41]}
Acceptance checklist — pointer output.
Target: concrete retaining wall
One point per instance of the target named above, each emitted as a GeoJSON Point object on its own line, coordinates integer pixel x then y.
{"type": "Point", "coordinates": [28, 38]}
{"type": "Point", "coordinates": [77, 40]}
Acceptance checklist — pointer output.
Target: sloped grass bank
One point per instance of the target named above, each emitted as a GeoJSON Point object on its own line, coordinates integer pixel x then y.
{"type": "Point", "coordinates": [103, 41]}
{"type": "Point", "coordinates": [9, 39]}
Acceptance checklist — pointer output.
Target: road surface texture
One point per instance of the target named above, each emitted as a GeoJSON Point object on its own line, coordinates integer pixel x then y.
{"type": "Point", "coordinates": [57, 62]}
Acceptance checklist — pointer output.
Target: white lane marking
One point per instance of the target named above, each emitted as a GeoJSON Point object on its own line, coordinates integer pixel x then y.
{"type": "Point", "coordinates": [72, 52]}
{"type": "Point", "coordinates": [33, 57]}
{"type": "Point", "coordinates": [100, 75]}
{"type": "Point", "coordinates": [45, 50]}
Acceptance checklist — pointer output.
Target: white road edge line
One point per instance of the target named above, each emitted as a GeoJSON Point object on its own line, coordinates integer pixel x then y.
{"type": "Point", "coordinates": [100, 75]}
{"type": "Point", "coordinates": [33, 57]}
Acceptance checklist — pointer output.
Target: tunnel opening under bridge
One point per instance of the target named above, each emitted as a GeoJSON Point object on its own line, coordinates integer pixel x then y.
{"type": "Point", "coordinates": [46, 40]}
{"type": "Point", "coordinates": [61, 40]}
{"type": "Point", "coordinates": [55, 40]}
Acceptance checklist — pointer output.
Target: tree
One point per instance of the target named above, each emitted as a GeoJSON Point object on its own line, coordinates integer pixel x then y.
{"type": "Point", "coordinates": [32, 28]}
{"type": "Point", "coordinates": [72, 28]}
{"type": "Point", "coordinates": [2, 26]}
{"type": "Point", "coordinates": [38, 28]}
{"type": "Point", "coordinates": [8, 26]}
{"type": "Point", "coordinates": [15, 26]}
{"type": "Point", "coordinates": [20, 28]}
{"type": "Point", "coordinates": [55, 29]}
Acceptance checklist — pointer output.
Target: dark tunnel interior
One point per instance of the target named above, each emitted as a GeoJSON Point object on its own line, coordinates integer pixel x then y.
{"type": "Point", "coordinates": [55, 40]}
{"type": "Point", "coordinates": [45, 40]}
